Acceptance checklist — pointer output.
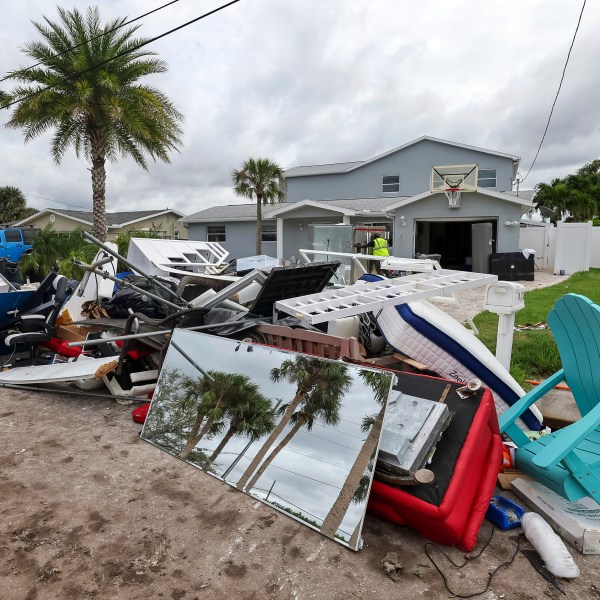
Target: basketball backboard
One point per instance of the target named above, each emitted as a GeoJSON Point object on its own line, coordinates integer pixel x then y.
{"type": "Point", "coordinates": [453, 180]}
{"type": "Point", "coordinates": [460, 177]}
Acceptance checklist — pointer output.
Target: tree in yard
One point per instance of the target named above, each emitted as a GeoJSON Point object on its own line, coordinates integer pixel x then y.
{"type": "Point", "coordinates": [320, 385]}
{"type": "Point", "coordinates": [263, 179]}
{"type": "Point", "coordinates": [380, 385]}
{"type": "Point", "coordinates": [575, 197]}
{"type": "Point", "coordinates": [86, 88]}
{"type": "Point", "coordinates": [13, 205]}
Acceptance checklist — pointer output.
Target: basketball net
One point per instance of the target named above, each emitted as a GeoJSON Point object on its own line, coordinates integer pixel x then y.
{"type": "Point", "coordinates": [453, 195]}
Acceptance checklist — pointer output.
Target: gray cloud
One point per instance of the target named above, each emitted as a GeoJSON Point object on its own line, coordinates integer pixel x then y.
{"type": "Point", "coordinates": [304, 82]}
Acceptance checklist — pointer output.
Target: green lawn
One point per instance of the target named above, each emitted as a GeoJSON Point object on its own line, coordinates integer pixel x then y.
{"type": "Point", "coordinates": [535, 355]}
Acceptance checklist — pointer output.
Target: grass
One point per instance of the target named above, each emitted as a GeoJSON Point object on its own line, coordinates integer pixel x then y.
{"type": "Point", "coordinates": [535, 355]}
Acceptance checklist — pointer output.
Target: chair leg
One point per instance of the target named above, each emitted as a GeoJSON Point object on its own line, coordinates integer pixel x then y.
{"type": "Point", "coordinates": [583, 475]}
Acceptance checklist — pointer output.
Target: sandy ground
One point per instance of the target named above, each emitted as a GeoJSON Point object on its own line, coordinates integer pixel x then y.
{"type": "Point", "coordinates": [89, 510]}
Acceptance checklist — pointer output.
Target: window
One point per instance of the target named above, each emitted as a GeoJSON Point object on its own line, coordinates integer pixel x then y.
{"type": "Point", "coordinates": [30, 234]}
{"type": "Point", "coordinates": [177, 234]}
{"type": "Point", "coordinates": [269, 232]}
{"type": "Point", "coordinates": [12, 235]}
{"type": "Point", "coordinates": [390, 183]}
{"type": "Point", "coordinates": [486, 178]}
{"type": "Point", "coordinates": [215, 233]}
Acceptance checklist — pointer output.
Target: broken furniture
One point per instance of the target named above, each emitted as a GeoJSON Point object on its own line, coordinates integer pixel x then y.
{"type": "Point", "coordinates": [176, 257]}
{"type": "Point", "coordinates": [411, 429]}
{"type": "Point", "coordinates": [568, 460]}
{"type": "Point", "coordinates": [37, 328]}
{"type": "Point", "coordinates": [465, 464]}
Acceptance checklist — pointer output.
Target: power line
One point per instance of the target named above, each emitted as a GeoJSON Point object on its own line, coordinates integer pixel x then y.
{"type": "Point", "coordinates": [58, 201]}
{"type": "Point", "coordinates": [124, 53]}
{"type": "Point", "coordinates": [94, 38]}
{"type": "Point", "coordinates": [557, 93]}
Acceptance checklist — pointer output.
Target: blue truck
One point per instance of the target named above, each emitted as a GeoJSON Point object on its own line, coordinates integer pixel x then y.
{"type": "Point", "coordinates": [15, 241]}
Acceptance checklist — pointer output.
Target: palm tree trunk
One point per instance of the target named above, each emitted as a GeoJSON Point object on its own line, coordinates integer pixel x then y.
{"type": "Point", "coordinates": [335, 516]}
{"type": "Point", "coordinates": [194, 437]}
{"type": "Point", "coordinates": [98, 149]}
{"type": "Point", "coordinates": [292, 432]}
{"type": "Point", "coordinates": [241, 484]}
{"type": "Point", "coordinates": [222, 444]}
{"type": "Point", "coordinates": [258, 225]}
{"type": "Point", "coordinates": [353, 543]}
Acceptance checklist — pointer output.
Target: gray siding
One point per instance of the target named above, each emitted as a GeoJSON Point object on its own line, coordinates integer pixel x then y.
{"type": "Point", "coordinates": [473, 206]}
{"type": "Point", "coordinates": [240, 238]}
{"type": "Point", "coordinates": [413, 165]}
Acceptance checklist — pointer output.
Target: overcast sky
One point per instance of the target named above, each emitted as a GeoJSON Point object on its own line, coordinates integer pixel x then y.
{"type": "Point", "coordinates": [320, 81]}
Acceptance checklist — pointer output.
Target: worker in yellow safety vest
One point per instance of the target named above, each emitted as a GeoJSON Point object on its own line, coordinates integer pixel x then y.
{"type": "Point", "coordinates": [380, 248]}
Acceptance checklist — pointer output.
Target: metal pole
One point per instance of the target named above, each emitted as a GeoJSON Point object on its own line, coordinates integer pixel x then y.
{"type": "Point", "coordinates": [152, 278]}
{"type": "Point", "coordinates": [270, 489]}
{"type": "Point", "coordinates": [191, 361]}
{"type": "Point", "coordinates": [135, 336]}
{"type": "Point", "coordinates": [37, 388]}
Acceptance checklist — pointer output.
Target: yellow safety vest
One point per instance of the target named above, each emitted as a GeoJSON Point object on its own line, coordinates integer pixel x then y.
{"type": "Point", "coordinates": [380, 247]}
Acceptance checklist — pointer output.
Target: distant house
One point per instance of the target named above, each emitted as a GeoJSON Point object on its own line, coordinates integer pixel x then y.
{"type": "Point", "coordinates": [164, 222]}
{"type": "Point", "coordinates": [390, 192]}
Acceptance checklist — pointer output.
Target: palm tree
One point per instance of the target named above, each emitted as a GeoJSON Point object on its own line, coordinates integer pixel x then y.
{"type": "Point", "coordinates": [86, 87]}
{"type": "Point", "coordinates": [380, 385]}
{"type": "Point", "coordinates": [321, 404]}
{"type": "Point", "coordinates": [250, 415]}
{"type": "Point", "coordinates": [317, 381]}
{"type": "Point", "coordinates": [13, 204]}
{"type": "Point", "coordinates": [212, 395]}
{"type": "Point", "coordinates": [263, 179]}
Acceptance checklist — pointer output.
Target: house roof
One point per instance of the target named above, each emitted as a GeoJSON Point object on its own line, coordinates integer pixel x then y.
{"type": "Point", "coordinates": [247, 212]}
{"type": "Point", "coordinates": [509, 197]}
{"type": "Point", "coordinates": [346, 167]}
{"type": "Point", "coordinates": [113, 219]}
{"type": "Point", "coordinates": [527, 194]}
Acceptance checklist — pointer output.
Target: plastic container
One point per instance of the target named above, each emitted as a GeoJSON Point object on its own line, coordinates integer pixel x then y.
{"type": "Point", "coordinates": [504, 513]}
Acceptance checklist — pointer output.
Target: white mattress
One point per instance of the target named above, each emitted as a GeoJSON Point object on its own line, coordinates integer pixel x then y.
{"type": "Point", "coordinates": [404, 338]}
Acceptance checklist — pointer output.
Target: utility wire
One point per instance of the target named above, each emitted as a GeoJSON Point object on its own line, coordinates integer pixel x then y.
{"type": "Point", "coordinates": [125, 52]}
{"type": "Point", "coordinates": [95, 38]}
{"type": "Point", "coordinates": [557, 93]}
{"type": "Point", "coordinates": [88, 208]}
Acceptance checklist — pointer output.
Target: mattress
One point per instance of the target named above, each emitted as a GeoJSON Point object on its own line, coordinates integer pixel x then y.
{"type": "Point", "coordinates": [427, 334]}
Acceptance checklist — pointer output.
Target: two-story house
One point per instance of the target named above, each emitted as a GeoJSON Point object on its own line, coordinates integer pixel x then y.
{"type": "Point", "coordinates": [391, 193]}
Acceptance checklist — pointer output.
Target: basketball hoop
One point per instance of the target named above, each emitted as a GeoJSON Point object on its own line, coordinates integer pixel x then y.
{"type": "Point", "coordinates": [453, 195]}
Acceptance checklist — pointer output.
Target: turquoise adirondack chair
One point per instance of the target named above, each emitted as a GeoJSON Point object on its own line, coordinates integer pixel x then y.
{"type": "Point", "coordinates": [567, 461]}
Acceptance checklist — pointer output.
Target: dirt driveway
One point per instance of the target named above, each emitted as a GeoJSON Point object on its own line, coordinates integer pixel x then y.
{"type": "Point", "coordinates": [88, 510]}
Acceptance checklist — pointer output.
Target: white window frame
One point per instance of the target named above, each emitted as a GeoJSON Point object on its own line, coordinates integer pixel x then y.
{"type": "Point", "coordinates": [390, 184]}
{"type": "Point", "coordinates": [486, 179]}
{"type": "Point", "coordinates": [221, 234]}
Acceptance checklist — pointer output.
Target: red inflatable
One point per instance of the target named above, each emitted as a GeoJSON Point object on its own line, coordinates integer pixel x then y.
{"type": "Point", "coordinates": [466, 464]}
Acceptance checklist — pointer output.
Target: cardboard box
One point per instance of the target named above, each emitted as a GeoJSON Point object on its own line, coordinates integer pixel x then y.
{"type": "Point", "coordinates": [71, 333]}
{"type": "Point", "coordinates": [576, 522]}
{"type": "Point", "coordinates": [508, 476]}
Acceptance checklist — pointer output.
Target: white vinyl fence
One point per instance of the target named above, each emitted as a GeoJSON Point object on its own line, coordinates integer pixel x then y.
{"type": "Point", "coordinates": [570, 247]}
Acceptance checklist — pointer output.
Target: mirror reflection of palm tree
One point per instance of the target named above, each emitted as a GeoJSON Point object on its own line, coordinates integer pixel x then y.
{"type": "Point", "coordinates": [250, 414]}
{"type": "Point", "coordinates": [213, 395]}
{"type": "Point", "coordinates": [320, 386]}
{"type": "Point", "coordinates": [380, 385]}
{"type": "Point", "coordinates": [322, 405]}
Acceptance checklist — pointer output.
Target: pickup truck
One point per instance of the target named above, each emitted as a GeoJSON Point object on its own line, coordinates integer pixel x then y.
{"type": "Point", "coordinates": [15, 241]}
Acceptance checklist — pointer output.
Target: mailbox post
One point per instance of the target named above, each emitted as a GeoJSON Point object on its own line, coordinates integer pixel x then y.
{"type": "Point", "coordinates": [505, 298]}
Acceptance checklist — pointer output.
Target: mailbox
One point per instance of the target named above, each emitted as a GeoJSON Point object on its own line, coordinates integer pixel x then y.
{"type": "Point", "coordinates": [504, 297]}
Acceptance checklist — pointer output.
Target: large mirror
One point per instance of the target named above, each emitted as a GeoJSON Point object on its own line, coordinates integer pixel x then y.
{"type": "Point", "coordinates": [297, 432]}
